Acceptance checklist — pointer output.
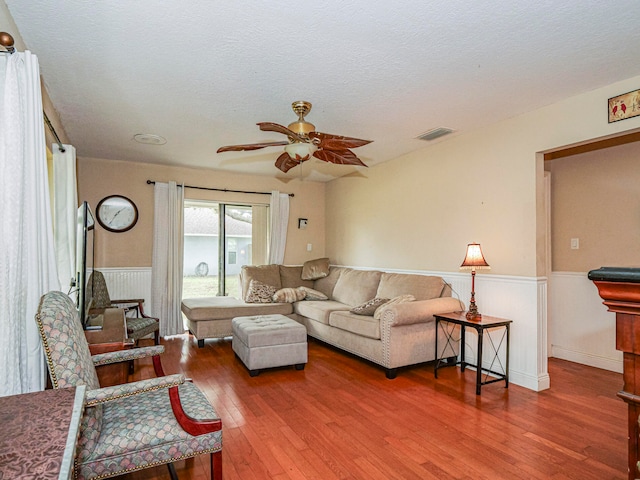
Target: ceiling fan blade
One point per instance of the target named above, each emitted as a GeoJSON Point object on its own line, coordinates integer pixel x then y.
{"type": "Point", "coordinates": [337, 142]}
{"type": "Point", "coordinates": [339, 157]}
{"type": "Point", "coordinates": [274, 127]}
{"type": "Point", "coordinates": [285, 163]}
{"type": "Point", "coordinates": [250, 146]}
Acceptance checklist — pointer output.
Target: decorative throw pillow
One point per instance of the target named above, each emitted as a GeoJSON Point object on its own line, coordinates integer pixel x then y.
{"type": "Point", "coordinates": [369, 308]}
{"type": "Point", "coordinates": [394, 301]}
{"type": "Point", "coordinates": [259, 292]}
{"type": "Point", "coordinates": [288, 295]}
{"type": "Point", "coordinates": [314, 269]}
{"type": "Point", "coordinates": [311, 294]}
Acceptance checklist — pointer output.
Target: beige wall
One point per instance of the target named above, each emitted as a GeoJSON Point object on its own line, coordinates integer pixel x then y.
{"type": "Point", "coordinates": [595, 198]}
{"type": "Point", "coordinates": [419, 211]}
{"type": "Point", "coordinates": [100, 178]}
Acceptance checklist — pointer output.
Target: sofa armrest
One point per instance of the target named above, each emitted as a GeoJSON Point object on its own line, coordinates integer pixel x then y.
{"type": "Point", "coordinates": [420, 311]}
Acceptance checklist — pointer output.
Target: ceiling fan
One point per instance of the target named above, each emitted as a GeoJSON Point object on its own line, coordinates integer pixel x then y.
{"type": "Point", "coordinates": [304, 142]}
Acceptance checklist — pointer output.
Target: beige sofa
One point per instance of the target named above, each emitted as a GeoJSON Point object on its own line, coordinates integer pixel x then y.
{"type": "Point", "coordinates": [404, 335]}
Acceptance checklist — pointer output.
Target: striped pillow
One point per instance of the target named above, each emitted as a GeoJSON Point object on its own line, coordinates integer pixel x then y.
{"type": "Point", "coordinates": [288, 295]}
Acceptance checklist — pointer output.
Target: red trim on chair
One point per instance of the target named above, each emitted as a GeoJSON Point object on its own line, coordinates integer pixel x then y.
{"type": "Point", "coordinates": [216, 465]}
{"type": "Point", "coordinates": [157, 366]}
{"type": "Point", "coordinates": [189, 424]}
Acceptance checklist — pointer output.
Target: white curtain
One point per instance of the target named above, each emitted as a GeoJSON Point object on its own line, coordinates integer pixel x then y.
{"type": "Point", "coordinates": [259, 235]}
{"type": "Point", "coordinates": [65, 212]}
{"type": "Point", "coordinates": [278, 226]}
{"type": "Point", "coordinates": [27, 256]}
{"type": "Point", "coordinates": [166, 267]}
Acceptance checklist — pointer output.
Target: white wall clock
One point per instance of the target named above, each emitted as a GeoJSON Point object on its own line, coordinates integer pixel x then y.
{"type": "Point", "coordinates": [117, 213]}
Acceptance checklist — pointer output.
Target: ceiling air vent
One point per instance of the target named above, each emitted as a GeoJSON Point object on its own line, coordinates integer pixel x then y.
{"type": "Point", "coordinates": [434, 133]}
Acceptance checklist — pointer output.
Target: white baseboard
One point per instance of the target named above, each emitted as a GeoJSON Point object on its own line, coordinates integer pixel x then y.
{"type": "Point", "coordinates": [584, 358]}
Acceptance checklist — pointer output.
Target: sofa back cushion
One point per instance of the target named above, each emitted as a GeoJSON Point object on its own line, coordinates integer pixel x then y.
{"type": "Point", "coordinates": [291, 277]}
{"type": "Point", "coordinates": [328, 283]}
{"type": "Point", "coordinates": [266, 274]}
{"type": "Point", "coordinates": [315, 269]}
{"type": "Point", "coordinates": [422, 287]}
{"type": "Point", "coordinates": [356, 286]}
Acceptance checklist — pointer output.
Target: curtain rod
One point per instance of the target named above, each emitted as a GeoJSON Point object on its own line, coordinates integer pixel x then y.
{"type": "Point", "coordinates": [6, 40]}
{"type": "Point", "coordinates": [152, 182]}
{"type": "Point", "coordinates": [53, 130]}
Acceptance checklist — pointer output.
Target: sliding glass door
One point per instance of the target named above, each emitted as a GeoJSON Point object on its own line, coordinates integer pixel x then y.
{"type": "Point", "coordinates": [219, 238]}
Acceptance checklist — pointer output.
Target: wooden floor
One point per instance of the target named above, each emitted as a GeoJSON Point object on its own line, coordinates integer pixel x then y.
{"type": "Point", "coordinates": [340, 418]}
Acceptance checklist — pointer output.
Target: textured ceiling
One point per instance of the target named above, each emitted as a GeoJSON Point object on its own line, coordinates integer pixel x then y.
{"type": "Point", "coordinates": [202, 73]}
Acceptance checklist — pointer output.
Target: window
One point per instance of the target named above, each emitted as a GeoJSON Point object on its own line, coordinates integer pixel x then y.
{"type": "Point", "coordinates": [240, 239]}
{"type": "Point", "coordinates": [232, 254]}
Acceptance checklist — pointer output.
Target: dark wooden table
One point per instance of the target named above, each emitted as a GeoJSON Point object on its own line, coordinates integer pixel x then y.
{"type": "Point", "coordinates": [619, 289]}
{"type": "Point", "coordinates": [480, 324]}
{"type": "Point", "coordinates": [39, 433]}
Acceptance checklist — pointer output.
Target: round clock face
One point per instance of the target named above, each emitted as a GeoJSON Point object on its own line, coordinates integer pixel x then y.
{"type": "Point", "coordinates": [117, 213]}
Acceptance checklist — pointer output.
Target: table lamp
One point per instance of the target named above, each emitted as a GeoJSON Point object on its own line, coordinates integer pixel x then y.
{"type": "Point", "coordinates": [474, 260]}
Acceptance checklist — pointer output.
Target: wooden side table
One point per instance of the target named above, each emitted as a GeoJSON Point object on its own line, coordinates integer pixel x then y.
{"type": "Point", "coordinates": [110, 338]}
{"type": "Point", "coordinates": [480, 325]}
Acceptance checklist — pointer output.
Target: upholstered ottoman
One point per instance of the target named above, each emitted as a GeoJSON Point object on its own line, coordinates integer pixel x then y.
{"type": "Point", "coordinates": [266, 341]}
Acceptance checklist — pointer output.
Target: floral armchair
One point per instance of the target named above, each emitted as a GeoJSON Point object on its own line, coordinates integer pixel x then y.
{"type": "Point", "coordinates": [132, 426]}
{"type": "Point", "coordinates": [138, 326]}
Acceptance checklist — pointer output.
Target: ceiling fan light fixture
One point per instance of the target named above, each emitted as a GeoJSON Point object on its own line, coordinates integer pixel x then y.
{"type": "Point", "coordinates": [300, 151]}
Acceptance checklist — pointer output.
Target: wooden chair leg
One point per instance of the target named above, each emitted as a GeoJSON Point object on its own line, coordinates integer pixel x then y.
{"type": "Point", "coordinates": [172, 471]}
{"type": "Point", "coordinates": [216, 465]}
{"type": "Point", "coordinates": [156, 337]}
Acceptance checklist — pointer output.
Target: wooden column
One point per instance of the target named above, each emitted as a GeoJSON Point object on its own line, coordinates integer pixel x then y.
{"type": "Point", "coordinates": [620, 290]}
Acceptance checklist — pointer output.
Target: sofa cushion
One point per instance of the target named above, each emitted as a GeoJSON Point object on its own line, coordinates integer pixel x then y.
{"type": "Point", "coordinates": [291, 276]}
{"type": "Point", "coordinates": [314, 269]}
{"type": "Point", "coordinates": [311, 294]}
{"type": "Point", "coordinates": [288, 295]}
{"type": "Point", "coordinates": [259, 292]}
{"type": "Point", "coordinates": [327, 284]}
{"type": "Point", "coordinates": [394, 301]}
{"type": "Point", "coordinates": [318, 310]}
{"type": "Point", "coordinates": [267, 274]}
{"type": "Point", "coordinates": [356, 286]}
{"type": "Point", "coordinates": [422, 287]}
{"type": "Point", "coordinates": [363, 325]}
{"type": "Point", "coordinates": [369, 308]}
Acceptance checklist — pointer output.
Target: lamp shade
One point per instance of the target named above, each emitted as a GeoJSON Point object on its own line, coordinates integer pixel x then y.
{"type": "Point", "coordinates": [474, 259]}
{"type": "Point", "coordinates": [300, 151]}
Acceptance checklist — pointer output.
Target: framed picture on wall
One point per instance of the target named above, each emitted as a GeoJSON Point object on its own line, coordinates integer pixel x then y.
{"type": "Point", "coordinates": [624, 106]}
